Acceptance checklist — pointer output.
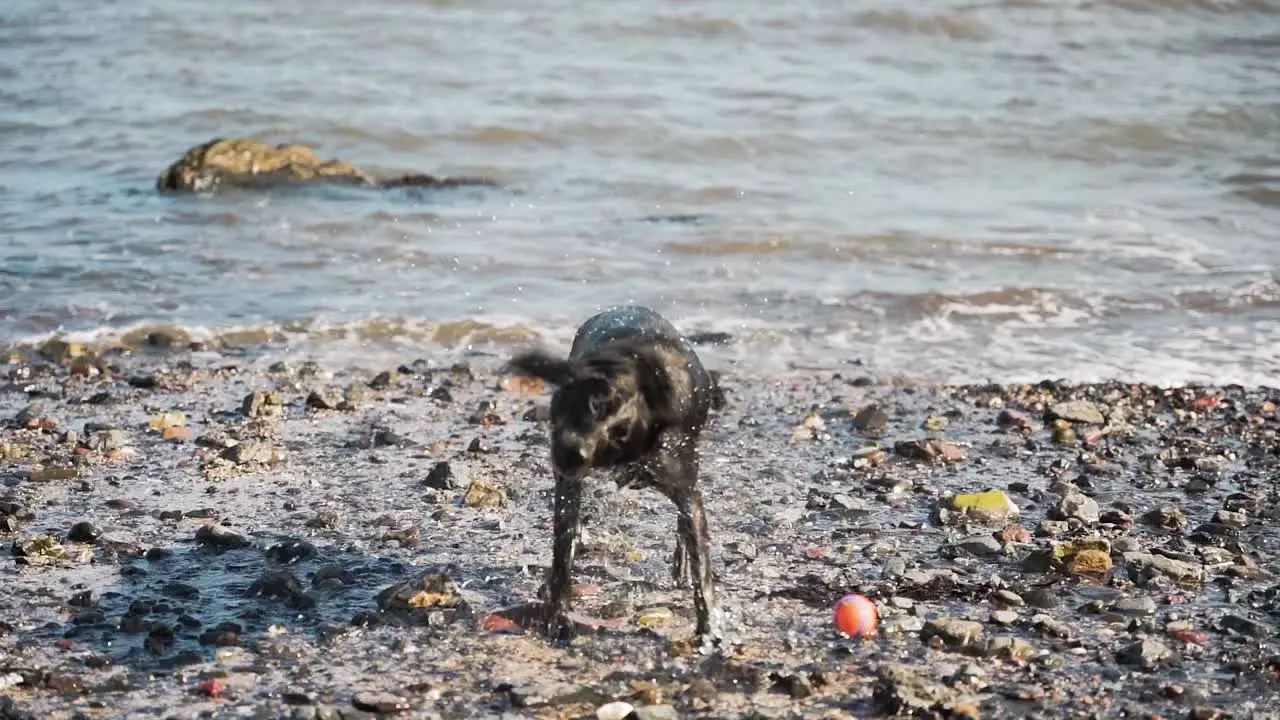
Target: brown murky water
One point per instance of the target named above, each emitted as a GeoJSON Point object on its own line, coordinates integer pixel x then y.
{"type": "Point", "coordinates": [949, 190]}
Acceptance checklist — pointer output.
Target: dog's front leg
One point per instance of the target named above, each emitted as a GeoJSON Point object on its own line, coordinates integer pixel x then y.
{"type": "Point", "coordinates": [566, 525]}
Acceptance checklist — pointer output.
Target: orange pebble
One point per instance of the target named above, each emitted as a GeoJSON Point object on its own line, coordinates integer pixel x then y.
{"type": "Point", "coordinates": [855, 615]}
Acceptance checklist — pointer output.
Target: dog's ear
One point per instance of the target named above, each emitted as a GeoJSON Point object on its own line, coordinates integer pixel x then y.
{"type": "Point", "coordinates": [541, 364]}
{"type": "Point", "coordinates": [653, 367]}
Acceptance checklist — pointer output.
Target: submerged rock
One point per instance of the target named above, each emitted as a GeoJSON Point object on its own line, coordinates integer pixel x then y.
{"type": "Point", "coordinates": [421, 599]}
{"type": "Point", "coordinates": [219, 536]}
{"type": "Point", "coordinates": [246, 163]}
{"type": "Point", "coordinates": [250, 163]}
{"type": "Point", "coordinates": [85, 532]}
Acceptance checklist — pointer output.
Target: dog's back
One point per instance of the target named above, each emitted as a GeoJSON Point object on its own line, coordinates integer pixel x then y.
{"type": "Point", "coordinates": [636, 322]}
{"type": "Point", "coordinates": [622, 323]}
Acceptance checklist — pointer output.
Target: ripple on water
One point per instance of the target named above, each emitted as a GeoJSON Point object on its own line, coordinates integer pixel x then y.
{"type": "Point", "coordinates": [956, 25]}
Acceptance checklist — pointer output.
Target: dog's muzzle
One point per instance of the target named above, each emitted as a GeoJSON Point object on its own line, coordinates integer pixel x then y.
{"type": "Point", "coordinates": [571, 457]}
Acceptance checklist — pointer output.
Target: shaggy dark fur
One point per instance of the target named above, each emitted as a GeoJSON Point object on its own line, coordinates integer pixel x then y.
{"type": "Point", "coordinates": [632, 395]}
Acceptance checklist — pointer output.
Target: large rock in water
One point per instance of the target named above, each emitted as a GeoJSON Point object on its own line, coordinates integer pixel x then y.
{"type": "Point", "coordinates": [248, 163]}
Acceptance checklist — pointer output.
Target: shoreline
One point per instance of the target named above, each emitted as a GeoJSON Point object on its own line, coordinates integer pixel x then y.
{"type": "Point", "coordinates": [1138, 573]}
{"type": "Point", "coordinates": [387, 340]}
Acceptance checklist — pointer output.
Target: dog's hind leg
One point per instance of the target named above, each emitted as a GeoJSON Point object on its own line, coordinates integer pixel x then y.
{"type": "Point", "coordinates": [681, 568]}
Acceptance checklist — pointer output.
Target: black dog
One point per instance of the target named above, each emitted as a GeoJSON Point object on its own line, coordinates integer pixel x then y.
{"type": "Point", "coordinates": [633, 393]}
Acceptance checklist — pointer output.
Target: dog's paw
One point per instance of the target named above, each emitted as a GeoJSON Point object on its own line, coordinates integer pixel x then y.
{"type": "Point", "coordinates": [713, 635]}
{"type": "Point", "coordinates": [559, 628]}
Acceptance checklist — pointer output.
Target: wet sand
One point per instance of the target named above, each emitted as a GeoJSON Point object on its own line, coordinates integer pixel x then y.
{"type": "Point", "coordinates": [1138, 576]}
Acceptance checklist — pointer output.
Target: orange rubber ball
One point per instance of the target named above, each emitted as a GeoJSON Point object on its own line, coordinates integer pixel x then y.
{"type": "Point", "coordinates": [856, 615]}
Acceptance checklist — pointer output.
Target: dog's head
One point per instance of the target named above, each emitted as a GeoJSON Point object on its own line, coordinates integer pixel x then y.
{"type": "Point", "coordinates": [608, 408]}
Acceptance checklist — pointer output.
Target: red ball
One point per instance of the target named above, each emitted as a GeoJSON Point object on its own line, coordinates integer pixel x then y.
{"type": "Point", "coordinates": [856, 616]}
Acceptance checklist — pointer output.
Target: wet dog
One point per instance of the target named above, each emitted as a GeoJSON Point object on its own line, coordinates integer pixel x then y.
{"type": "Point", "coordinates": [632, 396]}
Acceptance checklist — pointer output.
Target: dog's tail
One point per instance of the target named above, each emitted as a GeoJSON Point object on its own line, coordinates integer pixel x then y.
{"type": "Point", "coordinates": [541, 364]}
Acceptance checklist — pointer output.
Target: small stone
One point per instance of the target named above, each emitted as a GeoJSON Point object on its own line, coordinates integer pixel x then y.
{"type": "Point", "coordinates": [929, 450]}
{"type": "Point", "coordinates": [262, 404]}
{"type": "Point", "coordinates": [1008, 597]}
{"type": "Point", "coordinates": [409, 537]}
{"type": "Point", "coordinates": [485, 415]}
{"type": "Point", "coordinates": [656, 712]}
{"type": "Point", "coordinates": [64, 682]}
{"type": "Point", "coordinates": [291, 551]}
{"type": "Point", "coordinates": [325, 520]}
{"type": "Point", "coordinates": [1051, 627]}
{"type": "Point", "coordinates": [483, 495]}
{"type": "Point", "coordinates": [1052, 528]}
{"type": "Point", "coordinates": [1124, 544]}
{"type": "Point", "coordinates": [702, 689]}
{"type": "Point", "coordinates": [1077, 411]}
{"type": "Point", "coordinates": [431, 590]}
{"type": "Point", "coordinates": [1146, 565]}
{"type": "Point", "coordinates": [1080, 506]}
{"type": "Point", "coordinates": [1245, 626]}
{"type": "Point", "coordinates": [1004, 617]}
{"type": "Point", "coordinates": [332, 575]}
{"type": "Point", "coordinates": [247, 452]}
{"type": "Point", "coordinates": [935, 423]}
{"type": "Point", "coordinates": [870, 420]}
{"type": "Point", "coordinates": [1013, 533]}
{"type": "Point", "coordinates": [954, 633]}
{"type": "Point", "coordinates": [989, 506]}
{"type": "Point", "coordinates": [654, 616]}
{"type": "Point", "coordinates": [30, 417]}
{"type": "Point", "coordinates": [51, 474]}
{"type": "Point", "coordinates": [276, 584]}
{"type": "Point", "coordinates": [1231, 519]}
{"type": "Point", "coordinates": [384, 380]}
{"type": "Point", "coordinates": [380, 702]}
{"type": "Point", "coordinates": [1140, 606]}
{"type": "Point", "coordinates": [326, 399]}
{"type": "Point", "coordinates": [1166, 518]}
{"type": "Point", "coordinates": [41, 549]}
{"type": "Point", "coordinates": [1041, 598]}
{"type": "Point", "coordinates": [1063, 433]}
{"type": "Point", "coordinates": [977, 545]}
{"type": "Point", "coordinates": [614, 711]}
{"type": "Point", "coordinates": [104, 440]}
{"type": "Point", "coordinates": [176, 434]}
{"type": "Point", "coordinates": [1006, 647]}
{"type": "Point", "coordinates": [85, 532]}
{"type": "Point", "coordinates": [1146, 653]}
{"type": "Point", "coordinates": [1014, 419]}
{"type": "Point", "coordinates": [442, 477]}
{"type": "Point", "coordinates": [1241, 502]}
{"type": "Point", "coordinates": [217, 535]}
{"type": "Point", "coordinates": [901, 690]}
{"type": "Point", "coordinates": [1089, 561]}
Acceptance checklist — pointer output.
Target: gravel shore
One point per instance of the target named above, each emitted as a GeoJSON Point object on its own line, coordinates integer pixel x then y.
{"type": "Point", "coordinates": [216, 533]}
